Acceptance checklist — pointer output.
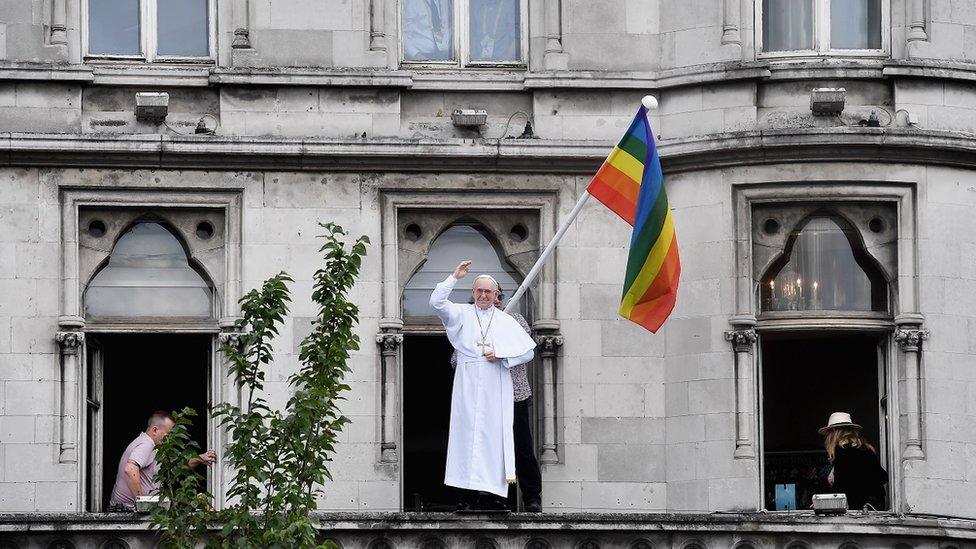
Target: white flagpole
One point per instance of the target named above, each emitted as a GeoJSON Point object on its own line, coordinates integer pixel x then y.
{"type": "Point", "coordinates": [650, 103]}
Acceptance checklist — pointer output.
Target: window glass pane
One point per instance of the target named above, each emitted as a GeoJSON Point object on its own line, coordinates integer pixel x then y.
{"type": "Point", "coordinates": [787, 25]}
{"type": "Point", "coordinates": [454, 245]}
{"type": "Point", "coordinates": [183, 28]}
{"type": "Point", "coordinates": [855, 24]}
{"type": "Point", "coordinates": [495, 30]}
{"type": "Point", "coordinates": [113, 27]}
{"type": "Point", "coordinates": [428, 30]}
{"type": "Point", "coordinates": [824, 272]}
{"type": "Point", "coordinates": [148, 275]}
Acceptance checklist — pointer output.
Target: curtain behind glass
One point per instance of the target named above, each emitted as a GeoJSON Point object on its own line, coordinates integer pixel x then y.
{"type": "Point", "coordinates": [113, 27]}
{"type": "Point", "coordinates": [454, 245]}
{"type": "Point", "coordinates": [148, 275]}
{"type": "Point", "coordinates": [428, 30]}
{"type": "Point", "coordinates": [824, 273]}
{"type": "Point", "coordinates": [183, 28]}
{"type": "Point", "coordinates": [787, 25]}
{"type": "Point", "coordinates": [494, 28]}
{"type": "Point", "coordinates": [855, 24]}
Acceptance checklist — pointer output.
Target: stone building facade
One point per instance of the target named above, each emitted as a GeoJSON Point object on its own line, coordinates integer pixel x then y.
{"type": "Point", "coordinates": [827, 257]}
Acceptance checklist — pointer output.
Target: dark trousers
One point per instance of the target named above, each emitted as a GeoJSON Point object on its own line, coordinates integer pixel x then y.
{"type": "Point", "coordinates": [526, 466]}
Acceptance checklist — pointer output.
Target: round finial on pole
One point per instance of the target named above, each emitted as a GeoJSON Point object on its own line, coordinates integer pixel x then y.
{"type": "Point", "coordinates": [650, 102]}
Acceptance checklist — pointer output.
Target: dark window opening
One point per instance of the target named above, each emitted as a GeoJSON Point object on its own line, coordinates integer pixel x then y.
{"type": "Point", "coordinates": [804, 379]}
{"type": "Point", "coordinates": [139, 375]}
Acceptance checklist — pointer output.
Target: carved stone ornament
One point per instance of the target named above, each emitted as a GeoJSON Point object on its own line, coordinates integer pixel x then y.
{"type": "Point", "coordinates": [389, 343]}
{"type": "Point", "coordinates": [742, 340]}
{"type": "Point", "coordinates": [548, 343]}
{"type": "Point", "coordinates": [70, 340]}
{"type": "Point", "coordinates": [231, 339]}
{"type": "Point", "coordinates": [911, 339]}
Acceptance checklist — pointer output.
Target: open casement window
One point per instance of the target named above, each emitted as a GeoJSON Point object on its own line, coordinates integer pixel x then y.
{"type": "Point", "coordinates": [148, 275]}
{"type": "Point", "coordinates": [824, 268]}
{"type": "Point", "coordinates": [459, 241]}
{"type": "Point", "coordinates": [150, 30]}
{"type": "Point", "coordinates": [799, 28]}
{"type": "Point", "coordinates": [463, 33]}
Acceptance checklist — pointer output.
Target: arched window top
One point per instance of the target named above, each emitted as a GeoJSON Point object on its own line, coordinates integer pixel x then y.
{"type": "Point", "coordinates": [454, 245]}
{"type": "Point", "coordinates": [824, 268]}
{"type": "Point", "coordinates": [148, 275]}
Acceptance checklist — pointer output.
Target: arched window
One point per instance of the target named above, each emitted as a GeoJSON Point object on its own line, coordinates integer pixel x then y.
{"type": "Point", "coordinates": [824, 268]}
{"type": "Point", "coordinates": [454, 245]}
{"type": "Point", "coordinates": [149, 275]}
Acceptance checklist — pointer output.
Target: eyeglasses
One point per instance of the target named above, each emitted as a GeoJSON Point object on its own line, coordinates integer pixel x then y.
{"type": "Point", "coordinates": [483, 291]}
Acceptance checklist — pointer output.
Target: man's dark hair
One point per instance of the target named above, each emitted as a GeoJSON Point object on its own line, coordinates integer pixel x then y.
{"type": "Point", "coordinates": [158, 418]}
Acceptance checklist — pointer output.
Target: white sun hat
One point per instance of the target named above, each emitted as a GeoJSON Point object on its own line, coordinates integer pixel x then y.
{"type": "Point", "coordinates": [838, 419]}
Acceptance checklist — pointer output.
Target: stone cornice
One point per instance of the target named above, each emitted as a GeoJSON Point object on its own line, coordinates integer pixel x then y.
{"type": "Point", "coordinates": [507, 155]}
{"type": "Point", "coordinates": [514, 79]}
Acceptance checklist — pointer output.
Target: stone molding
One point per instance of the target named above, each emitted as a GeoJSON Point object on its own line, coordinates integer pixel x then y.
{"type": "Point", "coordinates": [548, 344]}
{"type": "Point", "coordinates": [389, 343]}
{"type": "Point", "coordinates": [548, 156]}
{"type": "Point", "coordinates": [231, 339]}
{"type": "Point", "coordinates": [71, 344]}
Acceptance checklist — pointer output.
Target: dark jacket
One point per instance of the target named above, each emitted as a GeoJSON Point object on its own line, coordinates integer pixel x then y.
{"type": "Point", "coordinates": [858, 474]}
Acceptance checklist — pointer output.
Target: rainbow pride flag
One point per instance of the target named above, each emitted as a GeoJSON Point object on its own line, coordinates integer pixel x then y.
{"type": "Point", "coordinates": [631, 183]}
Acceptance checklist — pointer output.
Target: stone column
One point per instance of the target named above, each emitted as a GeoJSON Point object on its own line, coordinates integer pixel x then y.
{"type": "Point", "coordinates": [389, 342]}
{"type": "Point", "coordinates": [555, 58]}
{"type": "Point", "coordinates": [916, 24]}
{"type": "Point", "coordinates": [730, 25]}
{"type": "Point", "coordinates": [910, 338]}
{"type": "Point", "coordinates": [59, 28]}
{"type": "Point", "coordinates": [242, 32]}
{"type": "Point", "coordinates": [71, 344]}
{"type": "Point", "coordinates": [743, 340]}
{"type": "Point", "coordinates": [549, 341]}
{"type": "Point", "coordinates": [230, 393]}
{"type": "Point", "coordinates": [377, 26]}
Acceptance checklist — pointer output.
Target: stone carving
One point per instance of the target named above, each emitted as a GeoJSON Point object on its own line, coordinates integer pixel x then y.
{"type": "Point", "coordinates": [641, 544]}
{"type": "Point", "coordinates": [486, 543]}
{"type": "Point", "coordinates": [231, 339]}
{"type": "Point", "coordinates": [537, 544]}
{"type": "Point", "coordinates": [70, 341]}
{"type": "Point", "coordinates": [433, 543]}
{"type": "Point", "coordinates": [389, 343]}
{"type": "Point", "coordinates": [910, 339]}
{"type": "Point", "coordinates": [381, 543]}
{"type": "Point", "coordinates": [548, 343]}
{"type": "Point", "coordinates": [588, 544]}
{"type": "Point", "coordinates": [742, 340]}
{"type": "Point", "coordinates": [115, 544]}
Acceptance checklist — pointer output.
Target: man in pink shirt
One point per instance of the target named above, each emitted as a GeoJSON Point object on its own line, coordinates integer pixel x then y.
{"type": "Point", "coordinates": [137, 468]}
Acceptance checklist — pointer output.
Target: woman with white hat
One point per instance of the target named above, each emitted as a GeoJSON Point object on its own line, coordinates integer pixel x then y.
{"type": "Point", "coordinates": [857, 471]}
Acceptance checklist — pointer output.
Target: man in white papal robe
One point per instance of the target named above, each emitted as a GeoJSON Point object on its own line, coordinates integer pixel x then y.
{"type": "Point", "coordinates": [481, 448]}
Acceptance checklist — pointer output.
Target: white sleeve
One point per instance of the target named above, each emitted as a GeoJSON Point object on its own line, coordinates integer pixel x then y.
{"type": "Point", "coordinates": [448, 312]}
{"type": "Point", "coordinates": [516, 360]}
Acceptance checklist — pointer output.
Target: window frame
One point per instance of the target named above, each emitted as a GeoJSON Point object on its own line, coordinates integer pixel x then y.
{"type": "Point", "coordinates": [149, 37]}
{"type": "Point", "coordinates": [462, 46]}
{"type": "Point", "coordinates": [821, 36]}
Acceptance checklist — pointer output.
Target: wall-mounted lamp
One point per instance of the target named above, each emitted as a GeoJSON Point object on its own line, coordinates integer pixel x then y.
{"type": "Point", "coordinates": [827, 101]}
{"type": "Point", "coordinates": [152, 106]}
{"type": "Point", "coordinates": [469, 118]}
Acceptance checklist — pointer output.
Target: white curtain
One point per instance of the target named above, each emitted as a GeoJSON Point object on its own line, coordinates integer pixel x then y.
{"type": "Point", "coordinates": [787, 25]}
{"type": "Point", "coordinates": [855, 24]}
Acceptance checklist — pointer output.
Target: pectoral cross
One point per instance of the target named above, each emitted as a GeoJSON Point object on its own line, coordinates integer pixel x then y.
{"type": "Point", "coordinates": [483, 345]}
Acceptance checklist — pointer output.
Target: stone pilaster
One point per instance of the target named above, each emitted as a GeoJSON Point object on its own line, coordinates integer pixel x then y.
{"type": "Point", "coordinates": [59, 27]}
{"type": "Point", "coordinates": [743, 339]}
{"type": "Point", "coordinates": [389, 343]}
{"type": "Point", "coordinates": [549, 340]}
{"type": "Point", "coordinates": [730, 23]}
{"type": "Point", "coordinates": [910, 336]}
{"type": "Point", "coordinates": [555, 59]}
{"type": "Point", "coordinates": [916, 21]}
{"type": "Point", "coordinates": [242, 26]}
{"type": "Point", "coordinates": [71, 344]}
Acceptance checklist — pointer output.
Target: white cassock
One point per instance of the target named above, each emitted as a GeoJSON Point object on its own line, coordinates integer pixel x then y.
{"type": "Point", "coordinates": [481, 446]}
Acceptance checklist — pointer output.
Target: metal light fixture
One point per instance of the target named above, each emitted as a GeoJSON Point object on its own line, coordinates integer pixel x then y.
{"type": "Point", "coordinates": [469, 118]}
{"type": "Point", "coordinates": [827, 101]}
{"type": "Point", "coordinates": [152, 106]}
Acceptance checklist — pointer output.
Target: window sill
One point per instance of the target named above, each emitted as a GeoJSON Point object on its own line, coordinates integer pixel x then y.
{"type": "Point", "coordinates": [469, 79]}
{"type": "Point", "coordinates": [132, 73]}
{"type": "Point", "coordinates": [846, 68]}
